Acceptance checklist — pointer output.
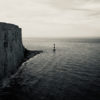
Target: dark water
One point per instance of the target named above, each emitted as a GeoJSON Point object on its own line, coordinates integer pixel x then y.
{"type": "Point", "coordinates": [71, 73]}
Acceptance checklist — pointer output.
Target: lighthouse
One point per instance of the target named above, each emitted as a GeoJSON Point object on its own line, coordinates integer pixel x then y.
{"type": "Point", "coordinates": [54, 48]}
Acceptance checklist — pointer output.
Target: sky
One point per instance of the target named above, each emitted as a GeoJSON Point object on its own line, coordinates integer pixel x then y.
{"type": "Point", "coordinates": [53, 18]}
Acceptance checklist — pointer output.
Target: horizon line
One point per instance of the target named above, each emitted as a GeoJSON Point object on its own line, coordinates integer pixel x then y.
{"type": "Point", "coordinates": [61, 37]}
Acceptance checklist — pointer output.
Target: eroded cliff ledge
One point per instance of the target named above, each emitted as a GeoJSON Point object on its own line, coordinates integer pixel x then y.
{"type": "Point", "coordinates": [11, 49]}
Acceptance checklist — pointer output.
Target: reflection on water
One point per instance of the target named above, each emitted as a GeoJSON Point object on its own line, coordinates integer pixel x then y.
{"type": "Point", "coordinates": [70, 73]}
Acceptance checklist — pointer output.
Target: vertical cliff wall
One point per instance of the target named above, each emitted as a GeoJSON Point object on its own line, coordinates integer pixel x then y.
{"type": "Point", "coordinates": [11, 49]}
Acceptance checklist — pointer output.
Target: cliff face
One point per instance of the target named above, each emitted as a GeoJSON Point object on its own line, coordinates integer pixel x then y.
{"type": "Point", "coordinates": [11, 49]}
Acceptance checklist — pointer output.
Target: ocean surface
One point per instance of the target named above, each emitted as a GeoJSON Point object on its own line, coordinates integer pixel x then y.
{"type": "Point", "coordinates": [70, 73]}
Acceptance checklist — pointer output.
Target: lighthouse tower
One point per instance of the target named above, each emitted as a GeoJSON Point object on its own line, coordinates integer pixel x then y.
{"type": "Point", "coordinates": [54, 48]}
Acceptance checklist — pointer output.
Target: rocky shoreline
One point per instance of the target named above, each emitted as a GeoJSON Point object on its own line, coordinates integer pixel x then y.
{"type": "Point", "coordinates": [29, 53]}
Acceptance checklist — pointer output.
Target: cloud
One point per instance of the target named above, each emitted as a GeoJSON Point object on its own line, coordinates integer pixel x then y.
{"type": "Point", "coordinates": [53, 17]}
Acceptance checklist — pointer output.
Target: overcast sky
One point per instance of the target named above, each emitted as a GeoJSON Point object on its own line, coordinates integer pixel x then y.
{"type": "Point", "coordinates": [53, 18]}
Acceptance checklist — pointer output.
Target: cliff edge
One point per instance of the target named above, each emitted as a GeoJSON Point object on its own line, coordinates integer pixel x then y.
{"type": "Point", "coordinates": [11, 49]}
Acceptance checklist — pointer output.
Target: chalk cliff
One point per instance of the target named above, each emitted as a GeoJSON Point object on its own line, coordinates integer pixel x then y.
{"type": "Point", "coordinates": [11, 49]}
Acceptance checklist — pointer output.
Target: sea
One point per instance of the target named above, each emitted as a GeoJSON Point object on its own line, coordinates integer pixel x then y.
{"type": "Point", "coordinates": [72, 72]}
